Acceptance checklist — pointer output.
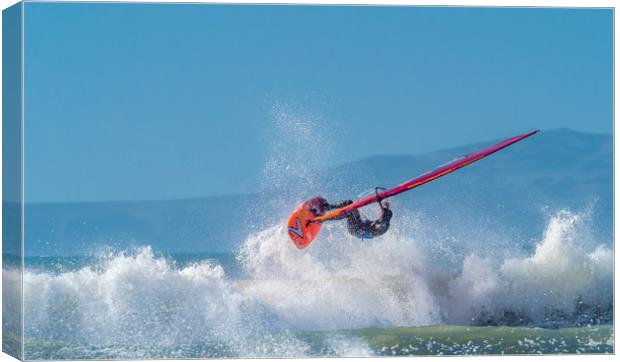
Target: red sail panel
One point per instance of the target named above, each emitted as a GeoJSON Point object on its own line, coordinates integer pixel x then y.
{"type": "Point", "coordinates": [426, 177]}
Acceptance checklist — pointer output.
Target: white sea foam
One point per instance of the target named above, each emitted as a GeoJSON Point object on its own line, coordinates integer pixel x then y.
{"type": "Point", "coordinates": [145, 301]}
{"type": "Point", "coordinates": [340, 282]}
{"type": "Point", "coordinates": [566, 271]}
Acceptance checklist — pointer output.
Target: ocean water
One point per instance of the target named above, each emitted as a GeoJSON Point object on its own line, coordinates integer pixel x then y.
{"type": "Point", "coordinates": [409, 292]}
{"type": "Point", "coordinates": [421, 289]}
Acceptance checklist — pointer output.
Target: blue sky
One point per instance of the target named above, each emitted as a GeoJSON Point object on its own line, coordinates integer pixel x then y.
{"type": "Point", "coordinates": [135, 102]}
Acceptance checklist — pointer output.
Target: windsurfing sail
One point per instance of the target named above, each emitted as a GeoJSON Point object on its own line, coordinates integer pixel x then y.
{"type": "Point", "coordinates": [302, 225]}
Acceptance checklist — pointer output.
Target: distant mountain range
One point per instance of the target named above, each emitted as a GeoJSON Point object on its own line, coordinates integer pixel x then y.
{"type": "Point", "coordinates": [555, 169]}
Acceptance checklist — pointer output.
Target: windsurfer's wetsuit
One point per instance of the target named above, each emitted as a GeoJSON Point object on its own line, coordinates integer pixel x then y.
{"type": "Point", "coordinates": [361, 228]}
{"type": "Point", "coordinates": [368, 229]}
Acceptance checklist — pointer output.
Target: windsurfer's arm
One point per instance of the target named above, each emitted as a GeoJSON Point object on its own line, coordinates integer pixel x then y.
{"type": "Point", "coordinates": [339, 205]}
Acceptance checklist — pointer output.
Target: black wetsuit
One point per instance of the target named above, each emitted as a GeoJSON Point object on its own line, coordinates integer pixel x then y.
{"type": "Point", "coordinates": [361, 228]}
{"type": "Point", "coordinates": [368, 229]}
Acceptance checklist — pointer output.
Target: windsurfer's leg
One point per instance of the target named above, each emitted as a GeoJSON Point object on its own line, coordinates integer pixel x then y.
{"type": "Point", "coordinates": [354, 222]}
{"type": "Point", "coordinates": [382, 224]}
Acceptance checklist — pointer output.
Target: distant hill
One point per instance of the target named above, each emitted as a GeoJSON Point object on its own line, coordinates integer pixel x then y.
{"type": "Point", "coordinates": [554, 169]}
{"type": "Point", "coordinates": [186, 225]}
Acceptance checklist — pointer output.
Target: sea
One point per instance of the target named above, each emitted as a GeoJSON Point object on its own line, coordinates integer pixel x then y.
{"type": "Point", "coordinates": [409, 292]}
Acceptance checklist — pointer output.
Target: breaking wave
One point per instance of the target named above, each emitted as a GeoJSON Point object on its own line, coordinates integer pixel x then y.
{"type": "Point", "coordinates": [396, 280]}
{"type": "Point", "coordinates": [145, 300]}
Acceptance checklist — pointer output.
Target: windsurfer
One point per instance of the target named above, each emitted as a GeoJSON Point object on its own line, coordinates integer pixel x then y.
{"type": "Point", "coordinates": [357, 226]}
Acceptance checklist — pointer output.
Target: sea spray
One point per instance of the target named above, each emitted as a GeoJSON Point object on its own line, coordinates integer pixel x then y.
{"type": "Point", "coordinates": [566, 279]}
{"type": "Point", "coordinates": [138, 299]}
{"type": "Point", "coordinates": [340, 282]}
{"type": "Point", "coordinates": [12, 304]}
{"type": "Point", "coordinates": [344, 282]}
{"type": "Point", "coordinates": [138, 304]}
{"type": "Point", "coordinates": [133, 292]}
{"type": "Point", "coordinates": [300, 143]}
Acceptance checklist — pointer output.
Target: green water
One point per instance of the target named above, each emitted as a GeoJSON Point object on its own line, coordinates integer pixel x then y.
{"type": "Point", "coordinates": [404, 341]}
{"type": "Point", "coordinates": [461, 340]}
